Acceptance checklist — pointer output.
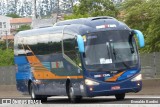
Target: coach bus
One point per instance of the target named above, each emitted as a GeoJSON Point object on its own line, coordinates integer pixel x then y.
{"type": "Point", "coordinates": [86, 57]}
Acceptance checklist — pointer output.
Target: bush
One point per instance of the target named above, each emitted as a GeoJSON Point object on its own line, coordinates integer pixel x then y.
{"type": "Point", "coordinates": [6, 57]}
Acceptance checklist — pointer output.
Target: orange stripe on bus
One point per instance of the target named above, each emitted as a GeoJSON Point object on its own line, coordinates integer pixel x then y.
{"type": "Point", "coordinates": [115, 77]}
{"type": "Point", "coordinates": [40, 72]}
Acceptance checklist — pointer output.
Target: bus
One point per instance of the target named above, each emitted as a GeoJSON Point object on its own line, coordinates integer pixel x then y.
{"type": "Point", "coordinates": [86, 57]}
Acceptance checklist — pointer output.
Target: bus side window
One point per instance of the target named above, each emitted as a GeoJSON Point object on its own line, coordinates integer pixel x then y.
{"type": "Point", "coordinates": [45, 44]}
{"type": "Point", "coordinates": [20, 50]}
{"type": "Point", "coordinates": [70, 48]}
{"type": "Point", "coordinates": [27, 50]}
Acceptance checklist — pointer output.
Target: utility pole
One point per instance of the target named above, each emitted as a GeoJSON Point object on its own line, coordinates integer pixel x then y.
{"type": "Point", "coordinates": [6, 40]}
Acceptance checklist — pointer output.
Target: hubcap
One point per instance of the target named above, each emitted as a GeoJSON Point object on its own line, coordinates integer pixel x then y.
{"type": "Point", "coordinates": [71, 92]}
{"type": "Point", "coordinates": [32, 94]}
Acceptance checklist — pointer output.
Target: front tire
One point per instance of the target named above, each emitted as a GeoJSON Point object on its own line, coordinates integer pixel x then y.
{"type": "Point", "coordinates": [120, 96]}
{"type": "Point", "coordinates": [34, 96]}
{"type": "Point", "coordinates": [72, 97]}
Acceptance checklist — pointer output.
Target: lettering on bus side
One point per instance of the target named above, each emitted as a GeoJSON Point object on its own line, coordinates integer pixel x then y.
{"type": "Point", "coordinates": [102, 75]}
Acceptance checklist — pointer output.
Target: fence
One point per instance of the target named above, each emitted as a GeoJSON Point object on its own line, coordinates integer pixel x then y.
{"type": "Point", "coordinates": [150, 63]}
{"type": "Point", "coordinates": [150, 69]}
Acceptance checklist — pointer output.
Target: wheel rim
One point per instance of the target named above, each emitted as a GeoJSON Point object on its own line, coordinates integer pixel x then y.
{"type": "Point", "coordinates": [71, 93]}
{"type": "Point", "coordinates": [32, 93]}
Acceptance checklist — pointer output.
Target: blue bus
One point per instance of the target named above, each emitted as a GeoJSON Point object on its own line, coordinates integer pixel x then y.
{"type": "Point", "coordinates": [86, 57]}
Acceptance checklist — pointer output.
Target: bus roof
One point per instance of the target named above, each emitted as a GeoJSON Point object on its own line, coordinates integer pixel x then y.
{"type": "Point", "coordinates": [83, 21]}
{"type": "Point", "coordinates": [80, 26]}
{"type": "Point", "coordinates": [38, 31]}
{"type": "Point", "coordinates": [96, 23]}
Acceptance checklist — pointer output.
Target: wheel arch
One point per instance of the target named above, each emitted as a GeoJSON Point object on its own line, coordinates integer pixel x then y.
{"type": "Point", "coordinates": [68, 81]}
{"type": "Point", "coordinates": [29, 83]}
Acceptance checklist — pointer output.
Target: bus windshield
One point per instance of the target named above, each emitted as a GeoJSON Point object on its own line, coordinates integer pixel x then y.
{"type": "Point", "coordinates": [110, 50]}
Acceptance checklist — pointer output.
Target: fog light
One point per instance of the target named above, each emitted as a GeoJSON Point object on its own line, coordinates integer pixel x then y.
{"type": "Point", "coordinates": [91, 89]}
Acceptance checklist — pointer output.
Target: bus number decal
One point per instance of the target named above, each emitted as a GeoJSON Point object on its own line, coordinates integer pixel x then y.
{"type": "Point", "coordinates": [58, 64]}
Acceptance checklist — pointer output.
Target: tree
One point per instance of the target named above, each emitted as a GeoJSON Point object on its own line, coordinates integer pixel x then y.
{"type": "Point", "coordinates": [88, 8]}
{"type": "Point", "coordinates": [23, 27]}
{"type": "Point", "coordinates": [13, 15]}
{"type": "Point", "coordinates": [153, 30]}
{"type": "Point", "coordinates": [2, 45]}
{"type": "Point", "coordinates": [143, 15]}
{"type": "Point", "coordinates": [6, 57]}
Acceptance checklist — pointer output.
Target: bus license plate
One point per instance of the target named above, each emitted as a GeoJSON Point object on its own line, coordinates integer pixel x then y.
{"type": "Point", "coordinates": [115, 88]}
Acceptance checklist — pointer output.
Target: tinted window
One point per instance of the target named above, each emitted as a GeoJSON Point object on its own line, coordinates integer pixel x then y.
{"type": "Point", "coordinates": [41, 44]}
{"type": "Point", "coordinates": [70, 48]}
{"type": "Point", "coordinates": [110, 50]}
{"type": "Point", "coordinates": [19, 47]}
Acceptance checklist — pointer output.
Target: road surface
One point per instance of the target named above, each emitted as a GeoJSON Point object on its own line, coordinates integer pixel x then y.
{"type": "Point", "coordinates": [108, 101]}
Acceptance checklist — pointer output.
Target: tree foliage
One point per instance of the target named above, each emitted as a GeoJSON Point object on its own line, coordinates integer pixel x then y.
{"type": "Point", "coordinates": [6, 57]}
{"type": "Point", "coordinates": [23, 27]}
{"type": "Point", "coordinates": [2, 45]}
{"type": "Point", "coordinates": [144, 15]}
{"type": "Point", "coordinates": [88, 8]}
{"type": "Point", "coordinates": [13, 15]}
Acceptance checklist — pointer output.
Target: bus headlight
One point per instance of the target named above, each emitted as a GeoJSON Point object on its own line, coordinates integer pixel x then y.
{"type": "Point", "coordinates": [137, 78]}
{"type": "Point", "coordinates": [90, 82]}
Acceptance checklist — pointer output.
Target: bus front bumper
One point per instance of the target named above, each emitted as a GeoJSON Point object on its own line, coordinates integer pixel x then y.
{"type": "Point", "coordinates": [105, 89]}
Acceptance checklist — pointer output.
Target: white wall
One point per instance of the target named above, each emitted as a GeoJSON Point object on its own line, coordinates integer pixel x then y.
{"type": "Point", "coordinates": [4, 25]}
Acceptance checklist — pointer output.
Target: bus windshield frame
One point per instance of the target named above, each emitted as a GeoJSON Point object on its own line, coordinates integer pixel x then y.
{"type": "Point", "coordinates": [110, 50]}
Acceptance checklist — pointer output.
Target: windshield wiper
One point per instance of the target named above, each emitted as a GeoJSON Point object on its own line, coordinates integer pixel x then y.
{"type": "Point", "coordinates": [107, 44]}
{"type": "Point", "coordinates": [114, 53]}
{"type": "Point", "coordinates": [115, 56]}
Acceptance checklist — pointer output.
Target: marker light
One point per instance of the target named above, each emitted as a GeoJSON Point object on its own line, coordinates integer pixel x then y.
{"type": "Point", "coordinates": [90, 82]}
{"type": "Point", "coordinates": [137, 78]}
{"type": "Point", "coordinates": [91, 89]}
{"type": "Point", "coordinates": [37, 81]}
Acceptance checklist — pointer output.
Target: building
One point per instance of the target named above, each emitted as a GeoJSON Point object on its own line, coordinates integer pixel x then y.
{"type": "Point", "coordinates": [4, 25]}
{"type": "Point", "coordinates": [15, 23]}
{"type": "Point", "coordinates": [9, 26]}
{"type": "Point", "coordinates": [9, 37]}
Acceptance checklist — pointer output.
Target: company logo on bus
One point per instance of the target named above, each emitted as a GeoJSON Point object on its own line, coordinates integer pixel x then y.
{"type": "Point", "coordinates": [102, 75]}
{"type": "Point", "coordinates": [106, 26]}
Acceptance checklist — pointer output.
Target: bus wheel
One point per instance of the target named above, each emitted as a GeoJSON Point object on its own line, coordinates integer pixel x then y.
{"type": "Point", "coordinates": [36, 97]}
{"type": "Point", "coordinates": [120, 96]}
{"type": "Point", "coordinates": [72, 97]}
{"type": "Point", "coordinates": [32, 92]}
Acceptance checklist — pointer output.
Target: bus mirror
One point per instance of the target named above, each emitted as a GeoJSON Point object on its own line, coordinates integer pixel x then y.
{"type": "Point", "coordinates": [140, 38]}
{"type": "Point", "coordinates": [80, 43]}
